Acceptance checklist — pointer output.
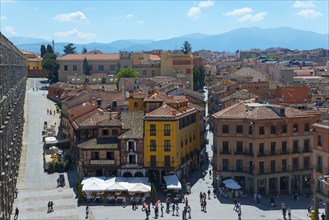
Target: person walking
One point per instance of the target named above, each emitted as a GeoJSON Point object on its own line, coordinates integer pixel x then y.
{"type": "Point", "coordinates": [51, 206]}
{"type": "Point", "coordinates": [209, 174]}
{"type": "Point", "coordinates": [173, 209]}
{"type": "Point", "coordinates": [186, 201]}
{"type": "Point", "coordinates": [147, 214]}
{"type": "Point", "coordinates": [87, 211]}
{"type": "Point", "coordinates": [16, 213]}
{"type": "Point", "coordinates": [124, 201]}
{"type": "Point", "coordinates": [209, 193]}
{"type": "Point", "coordinates": [167, 205]}
{"type": "Point", "coordinates": [49, 209]}
{"type": "Point", "coordinates": [239, 213]}
{"type": "Point", "coordinates": [289, 213]}
{"type": "Point", "coordinates": [189, 211]}
{"type": "Point", "coordinates": [323, 216]}
{"type": "Point", "coordinates": [161, 208]}
{"type": "Point", "coordinates": [205, 205]}
{"type": "Point", "coordinates": [284, 211]}
{"type": "Point", "coordinates": [177, 210]}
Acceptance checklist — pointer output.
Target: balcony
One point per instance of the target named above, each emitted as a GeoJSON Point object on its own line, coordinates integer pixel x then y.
{"type": "Point", "coordinates": [306, 149]}
{"type": "Point", "coordinates": [273, 153]}
{"type": "Point", "coordinates": [102, 162]}
{"type": "Point", "coordinates": [262, 154]}
{"type": "Point", "coordinates": [225, 152]}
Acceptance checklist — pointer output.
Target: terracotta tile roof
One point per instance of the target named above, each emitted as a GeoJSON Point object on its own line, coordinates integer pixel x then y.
{"type": "Point", "coordinates": [100, 143]}
{"type": "Point", "coordinates": [247, 109]}
{"type": "Point", "coordinates": [110, 120]}
{"type": "Point", "coordinates": [134, 123]}
{"type": "Point", "coordinates": [156, 97]}
{"type": "Point", "coordinates": [166, 112]}
{"type": "Point", "coordinates": [91, 119]}
{"type": "Point", "coordinates": [154, 57]}
{"type": "Point", "coordinates": [105, 56]}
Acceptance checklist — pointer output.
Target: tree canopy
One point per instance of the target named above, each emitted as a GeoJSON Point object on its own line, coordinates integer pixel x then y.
{"type": "Point", "coordinates": [84, 50]}
{"type": "Point", "coordinates": [50, 49]}
{"type": "Point", "coordinates": [43, 50]}
{"type": "Point", "coordinates": [69, 49]}
{"type": "Point", "coordinates": [126, 72]}
{"type": "Point", "coordinates": [186, 48]}
{"type": "Point", "coordinates": [85, 67]}
{"type": "Point", "coordinates": [49, 64]}
{"type": "Point", "coordinates": [198, 77]}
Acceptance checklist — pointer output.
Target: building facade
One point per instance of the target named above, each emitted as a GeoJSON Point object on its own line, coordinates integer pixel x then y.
{"type": "Point", "coordinates": [12, 95]}
{"type": "Point", "coordinates": [321, 164]}
{"type": "Point", "coordinates": [266, 148]}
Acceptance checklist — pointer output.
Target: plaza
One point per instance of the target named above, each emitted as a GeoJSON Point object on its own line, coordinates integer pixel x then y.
{"type": "Point", "coordinates": [36, 188]}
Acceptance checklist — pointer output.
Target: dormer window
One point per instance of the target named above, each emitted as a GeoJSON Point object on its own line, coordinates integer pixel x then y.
{"type": "Point", "coordinates": [131, 146]}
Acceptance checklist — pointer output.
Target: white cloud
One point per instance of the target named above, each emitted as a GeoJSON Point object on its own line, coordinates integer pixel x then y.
{"type": "Point", "coordinates": [309, 13]}
{"type": "Point", "coordinates": [253, 18]}
{"type": "Point", "coordinates": [129, 16]}
{"type": "Point", "coordinates": [303, 4]}
{"type": "Point", "coordinates": [10, 30]}
{"type": "Point", "coordinates": [73, 16]}
{"type": "Point", "coordinates": [238, 11]}
{"type": "Point", "coordinates": [2, 18]}
{"type": "Point", "coordinates": [194, 12]}
{"type": "Point", "coordinates": [140, 22]}
{"type": "Point", "coordinates": [75, 33]}
{"type": "Point", "coordinates": [206, 4]}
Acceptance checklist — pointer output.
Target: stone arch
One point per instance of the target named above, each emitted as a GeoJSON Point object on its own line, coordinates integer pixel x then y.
{"type": "Point", "coordinates": [127, 174]}
{"type": "Point", "coordinates": [139, 174]}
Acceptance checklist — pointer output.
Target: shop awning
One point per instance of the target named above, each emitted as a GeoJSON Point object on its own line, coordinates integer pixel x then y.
{"type": "Point", "coordinates": [231, 184]}
{"type": "Point", "coordinates": [172, 182]}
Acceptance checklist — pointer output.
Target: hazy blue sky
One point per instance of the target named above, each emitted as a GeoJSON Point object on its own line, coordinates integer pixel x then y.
{"type": "Point", "coordinates": [83, 21]}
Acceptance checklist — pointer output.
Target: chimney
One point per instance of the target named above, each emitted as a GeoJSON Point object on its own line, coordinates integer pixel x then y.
{"type": "Point", "coordinates": [114, 105]}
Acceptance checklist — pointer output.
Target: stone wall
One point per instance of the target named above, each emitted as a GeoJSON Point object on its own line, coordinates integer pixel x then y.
{"type": "Point", "coordinates": [12, 94]}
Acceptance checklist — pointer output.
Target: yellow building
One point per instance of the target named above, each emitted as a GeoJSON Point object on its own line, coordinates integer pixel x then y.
{"type": "Point", "coordinates": [34, 65]}
{"type": "Point", "coordinates": [177, 65]}
{"type": "Point", "coordinates": [171, 133]}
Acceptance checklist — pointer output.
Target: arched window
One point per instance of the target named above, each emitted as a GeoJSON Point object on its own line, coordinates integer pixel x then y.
{"type": "Point", "coordinates": [131, 146]}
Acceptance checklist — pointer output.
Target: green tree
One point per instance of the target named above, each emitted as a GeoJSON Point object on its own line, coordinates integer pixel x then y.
{"type": "Point", "coordinates": [126, 72]}
{"type": "Point", "coordinates": [186, 48]}
{"type": "Point", "coordinates": [43, 50]}
{"type": "Point", "coordinates": [69, 49]}
{"type": "Point", "coordinates": [85, 67]}
{"type": "Point", "coordinates": [84, 50]}
{"type": "Point", "coordinates": [79, 191]}
{"type": "Point", "coordinates": [50, 49]}
{"type": "Point", "coordinates": [199, 73]}
{"type": "Point", "coordinates": [49, 64]}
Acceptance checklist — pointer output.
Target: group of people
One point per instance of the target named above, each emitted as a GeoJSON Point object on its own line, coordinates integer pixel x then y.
{"type": "Point", "coordinates": [285, 211]}
{"type": "Point", "coordinates": [50, 112]}
{"type": "Point", "coordinates": [50, 206]}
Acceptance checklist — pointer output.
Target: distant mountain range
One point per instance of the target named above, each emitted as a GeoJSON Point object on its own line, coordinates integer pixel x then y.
{"type": "Point", "coordinates": [238, 39]}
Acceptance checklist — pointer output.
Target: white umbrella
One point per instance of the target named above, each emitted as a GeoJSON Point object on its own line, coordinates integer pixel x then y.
{"type": "Point", "coordinates": [117, 186]}
{"type": "Point", "coordinates": [94, 187]}
{"type": "Point", "coordinates": [140, 188]}
{"type": "Point", "coordinates": [231, 185]}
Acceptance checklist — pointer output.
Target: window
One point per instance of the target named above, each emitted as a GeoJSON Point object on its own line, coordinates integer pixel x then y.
{"type": "Point", "coordinates": [110, 155]}
{"type": "Point", "coordinates": [273, 129]}
{"type": "Point", "coordinates": [152, 130]}
{"type": "Point", "coordinates": [273, 166]}
{"type": "Point", "coordinates": [166, 130]}
{"type": "Point", "coordinates": [100, 67]}
{"type": "Point", "coordinates": [239, 165]}
{"type": "Point", "coordinates": [261, 167]}
{"type": "Point", "coordinates": [319, 140]}
{"type": "Point", "coordinates": [284, 165]}
{"type": "Point", "coordinates": [284, 129]}
{"type": "Point", "coordinates": [115, 132]}
{"type": "Point", "coordinates": [153, 144]}
{"type": "Point", "coordinates": [306, 162]}
{"type": "Point", "coordinates": [153, 160]}
{"type": "Point", "coordinates": [261, 130]}
{"type": "Point", "coordinates": [225, 164]}
{"type": "Point", "coordinates": [225, 129]}
{"type": "Point", "coordinates": [284, 147]}
{"type": "Point", "coordinates": [226, 146]}
{"type": "Point", "coordinates": [65, 68]}
{"type": "Point", "coordinates": [135, 104]}
{"type": "Point", "coordinates": [295, 164]}
{"type": "Point", "coordinates": [131, 146]}
{"type": "Point", "coordinates": [273, 145]}
{"type": "Point", "coordinates": [261, 148]}
{"type": "Point", "coordinates": [295, 128]}
{"type": "Point", "coordinates": [239, 146]}
{"type": "Point", "coordinates": [167, 161]}
{"type": "Point", "coordinates": [306, 145]}
{"type": "Point", "coordinates": [95, 155]}
{"type": "Point", "coordinates": [295, 146]}
{"type": "Point", "coordinates": [112, 67]}
{"type": "Point", "coordinates": [167, 145]}
{"type": "Point", "coordinates": [319, 164]}
{"type": "Point", "coordinates": [307, 127]}
{"type": "Point", "coordinates": [239, 129]}
{"type": "Point", "coordinates": [250, 148]}
{"type": "Point", "coordinates": [250, 130]}
{"type": "Point", "coordinates": [105, 132]}
{"type": "Point", "coordinates": [75, 68]}
{"type": "Point", "coordinates": [132, 159]}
